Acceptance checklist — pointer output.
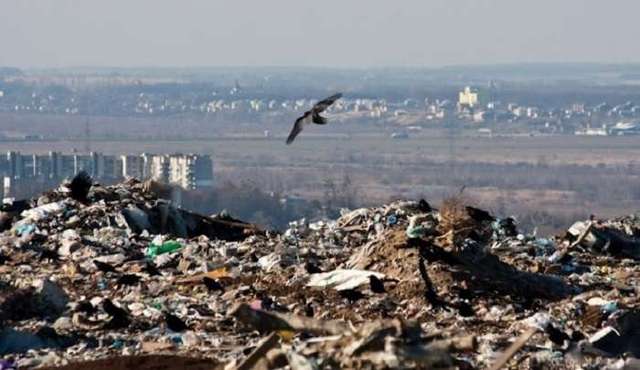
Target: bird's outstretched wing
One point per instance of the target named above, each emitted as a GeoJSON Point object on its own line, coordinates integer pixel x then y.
{"type": "Point", "coordinates": [326, 103]}
{"type": "Point", "coordinates": [297, 128]}
{"type": "Point", "coordinates": [312, 115]}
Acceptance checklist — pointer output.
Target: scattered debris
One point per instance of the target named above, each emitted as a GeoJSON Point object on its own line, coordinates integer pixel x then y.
{"type": "Point", "coordinates": [150, 362]}
{"type": "Point", "coordinates": [100, 277]}
{"type": "Point", "coordinates": [265, 321]}
{"type": "Point", "coordinates": [260, 351]}
{"type": "Point", "coordinates": [342, 279]}
{"type": "Point", "coordinates": [513, 349]}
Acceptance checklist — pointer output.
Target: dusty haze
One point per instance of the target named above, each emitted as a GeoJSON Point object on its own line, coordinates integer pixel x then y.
{"type": "Point", "coordinates": [55, 33]}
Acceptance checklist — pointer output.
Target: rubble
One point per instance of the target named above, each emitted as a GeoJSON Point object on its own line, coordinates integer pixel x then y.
{"type": "Point", "coordinates": [113, 277]}
{"type": "Point", "coordinates": [340, 279]}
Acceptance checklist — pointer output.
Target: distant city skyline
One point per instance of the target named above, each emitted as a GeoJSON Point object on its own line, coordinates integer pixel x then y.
{"type": "Point", "coordinates": [331, 33]}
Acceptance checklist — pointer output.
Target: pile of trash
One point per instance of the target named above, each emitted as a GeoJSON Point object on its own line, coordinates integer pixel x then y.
{"type": "Point", "coordinates": [114, 277]}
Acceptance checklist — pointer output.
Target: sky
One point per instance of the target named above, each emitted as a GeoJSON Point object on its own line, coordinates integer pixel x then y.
{"type": "Point", "coordinates": [327, 33]}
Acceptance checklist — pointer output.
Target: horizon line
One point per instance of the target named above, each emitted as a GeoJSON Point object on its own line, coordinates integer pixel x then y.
{"type": "Point", "coordinates": [330, 67]}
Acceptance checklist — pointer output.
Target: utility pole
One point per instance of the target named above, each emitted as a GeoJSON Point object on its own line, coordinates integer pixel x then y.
{"type": "Point", "coordinates": [87, 137]}
{"type": "Point", "coordinates": [87, 130]}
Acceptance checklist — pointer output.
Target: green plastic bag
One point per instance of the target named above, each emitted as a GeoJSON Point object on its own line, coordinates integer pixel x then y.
{"type": "Point", "coordinates": [166, 247]}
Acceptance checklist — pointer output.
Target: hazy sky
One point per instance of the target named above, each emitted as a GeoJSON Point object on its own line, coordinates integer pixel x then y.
{"type": "Point", "coordinates": [36, 33]}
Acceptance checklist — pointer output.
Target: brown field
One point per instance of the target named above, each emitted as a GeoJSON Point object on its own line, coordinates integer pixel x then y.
{"type": "Point", "coordinates": [546, 180]}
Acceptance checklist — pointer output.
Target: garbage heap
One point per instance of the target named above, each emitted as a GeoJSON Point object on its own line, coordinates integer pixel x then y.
{"type": "Point", "coordinates": [111, 277]}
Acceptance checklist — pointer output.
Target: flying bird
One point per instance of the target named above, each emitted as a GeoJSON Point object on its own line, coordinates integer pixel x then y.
{"type": "Point", "coordinates": [312, 116]}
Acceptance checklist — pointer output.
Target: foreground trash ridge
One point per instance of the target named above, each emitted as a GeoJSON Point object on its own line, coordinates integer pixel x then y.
{"type": "Point", "coordinates": [99, 276]}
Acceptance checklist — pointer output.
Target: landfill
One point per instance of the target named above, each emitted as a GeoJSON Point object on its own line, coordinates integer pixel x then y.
{"type": "Point", "coordinates": [115, 277]}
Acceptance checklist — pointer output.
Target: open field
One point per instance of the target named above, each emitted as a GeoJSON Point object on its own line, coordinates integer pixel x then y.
{"type": "Point", "coordinates": [334, 143]}
{"type": "Point", "coordinates": [374, 148]}
{"type": "Point", "coordinates": [555, 177]}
